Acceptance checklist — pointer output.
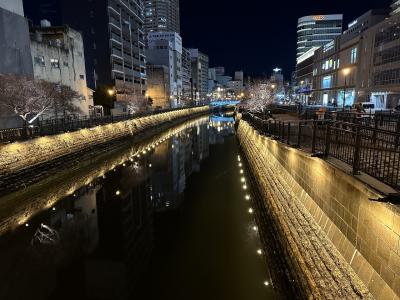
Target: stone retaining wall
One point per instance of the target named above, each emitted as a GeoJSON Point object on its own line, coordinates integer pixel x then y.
{"type": "Point", "coordinates": [19, 155]}
{"type": "Point", "coordinates": [18, 208]}
{"type": "Point", "coordinates": [341, 242]}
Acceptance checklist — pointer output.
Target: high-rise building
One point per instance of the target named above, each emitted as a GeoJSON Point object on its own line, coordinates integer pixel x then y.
{"type": "Point", "coordinates": [316, 31]}
{"type": "Point", "coordinates": [186, 77]}
{"type": "Point", "coordinates": [165, 48]}
{"type": "Point", "coordinates": [200, 63]}
{"type": "Point", "coordinates": [113, 35]}
{"type": "Point", "coordinates": [162, 15]}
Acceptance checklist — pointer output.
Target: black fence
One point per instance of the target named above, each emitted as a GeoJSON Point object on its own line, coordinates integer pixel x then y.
{"type": "Point", "coordinates": [68, 124]}
{"type": "Point", "coordinates": [386, 120]}
{"type": "Point", "coordinates": [373, 151]}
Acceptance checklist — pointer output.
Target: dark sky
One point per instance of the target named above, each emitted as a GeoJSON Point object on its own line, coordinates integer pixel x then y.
{"type": "Point", "coordinates": [257, 35]}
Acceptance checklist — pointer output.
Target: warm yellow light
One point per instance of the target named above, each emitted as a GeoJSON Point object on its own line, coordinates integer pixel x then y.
{"type": "Point", "coordinates": [346, 71]}
{"type": "Point", "coordinates": [117, 193]}
{"type": "Point", "coordinates": [259, 251]}
{"type": "Point", "coordinates": [247, 197]}
{"type": "Point", "coordinates": [111, 92]}
{"type": "Point", "coordinates": [250, 210]}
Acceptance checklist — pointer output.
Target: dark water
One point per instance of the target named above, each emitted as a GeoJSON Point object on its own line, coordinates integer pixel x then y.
{"type": "Point", "coordinates": [171, 224]}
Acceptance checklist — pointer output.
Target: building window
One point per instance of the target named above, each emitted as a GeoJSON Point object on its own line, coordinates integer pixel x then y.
{"type": "Point", "coordinates": [55, 63]}
{"type": "Point", "coordinates": [82, 76]}
{"type": "Point", "coordinates": [353, 58]}
{"type": "Point", "coordinates": [327, 82]}
{"type": "Point", "coordinates": [40, 60]}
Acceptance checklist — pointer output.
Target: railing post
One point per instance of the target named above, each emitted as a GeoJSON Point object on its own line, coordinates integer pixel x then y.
{"type": "Point", "coordinates": [299, 136]}
{"type": "Point", "coordinates": [288, 134]}
{"type": "Point", "coordinates": [396, 143]}
{"type": "Point", "coordinates": [314, 136]}
{"type": "Point", "coordinates": [328, 139]}
{"type": "Point", "coordinates": [357, 152]}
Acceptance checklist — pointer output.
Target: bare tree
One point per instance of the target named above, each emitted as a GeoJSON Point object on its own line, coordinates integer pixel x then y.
{"type": "Point", "coordinates": [135, 101]}
{"type": "Point", "coordinates": [26, 97]}
{"type": "Point", "coordinates": [261, 95]}
{"type": "Point", "coordinates": [64, 101]}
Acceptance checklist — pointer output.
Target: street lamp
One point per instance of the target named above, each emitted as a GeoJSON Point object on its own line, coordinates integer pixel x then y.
{"type": "Point", "coordinates": [346, 72]}
{"type": "Point", "coordinates": [111, 92]}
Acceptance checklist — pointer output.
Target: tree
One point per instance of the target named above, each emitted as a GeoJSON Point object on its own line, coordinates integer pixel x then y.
{"type": "Point", "coordinates": [135, 101]}
{"type": "Point", "coordinates": [26, 97]}
{"type": "Point", "coordinates": [64, 101]}
{"type": "Point", "coordinates": [262, 94]}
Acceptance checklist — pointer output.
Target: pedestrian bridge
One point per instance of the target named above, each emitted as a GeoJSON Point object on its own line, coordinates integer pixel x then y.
{"type": "Point", "coordinates": [224, 102]}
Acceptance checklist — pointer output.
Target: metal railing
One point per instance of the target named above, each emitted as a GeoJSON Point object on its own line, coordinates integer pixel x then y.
{"type": "Point", "coordinates": [373, 151]}
{"type": "Point", "coordinates": [387, 120]}
{"type": "Point", "coordinates": [72, 123]}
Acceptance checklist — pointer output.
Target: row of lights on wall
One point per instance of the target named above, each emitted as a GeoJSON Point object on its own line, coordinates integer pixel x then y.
{"type": "Point", "coordinates": [247, 197]}
{"type": "Point", "coordinates": [137, 154]}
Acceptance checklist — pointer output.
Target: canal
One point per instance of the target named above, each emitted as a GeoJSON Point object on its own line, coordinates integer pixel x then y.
{"type": "Point", "coordinates": [172, 220]}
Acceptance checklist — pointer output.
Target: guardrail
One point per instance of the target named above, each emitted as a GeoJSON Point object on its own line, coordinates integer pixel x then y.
{"type": "Point", "coordinates": [60, 125]}
{"type": "Point", "coordinates": [373, 151]}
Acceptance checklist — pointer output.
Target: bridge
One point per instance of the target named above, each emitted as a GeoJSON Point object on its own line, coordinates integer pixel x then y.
{"type": "Point", "coordinates": [224, 102]}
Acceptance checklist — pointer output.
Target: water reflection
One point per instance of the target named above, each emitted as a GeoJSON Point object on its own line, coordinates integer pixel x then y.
{"type": "Point", "coordinates": [96, 241]}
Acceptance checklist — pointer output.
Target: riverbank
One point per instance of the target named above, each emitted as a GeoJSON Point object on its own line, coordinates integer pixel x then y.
{"type": "Point", "coordinates": [319, 269]}
{"type": "Point", "coordinates": [24, 163]}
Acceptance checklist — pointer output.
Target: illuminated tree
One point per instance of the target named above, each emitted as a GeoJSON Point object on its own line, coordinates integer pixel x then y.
{"type": "Point", "coordinates": [135, 101]}
{"type": "Point", "coordinates": [261, 95]}
{"type": "Point", "coordinates": [26, 97]}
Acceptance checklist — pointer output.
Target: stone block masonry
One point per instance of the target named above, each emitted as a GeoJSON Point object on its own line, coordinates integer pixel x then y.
{"type": "Point", "coordinates": [344, 245]}
{"type": "Point", "coordinates": [18, 208]}
{"type": "Point", "coordinates": [17, 156]}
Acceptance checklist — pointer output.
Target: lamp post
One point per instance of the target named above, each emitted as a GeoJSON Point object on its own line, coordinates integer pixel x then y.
{"type": "Point", "coordinates": [345, 73]}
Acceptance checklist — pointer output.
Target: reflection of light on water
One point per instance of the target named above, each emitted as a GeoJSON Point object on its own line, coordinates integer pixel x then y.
{"type": "Point", "coordinates": [35, 203]}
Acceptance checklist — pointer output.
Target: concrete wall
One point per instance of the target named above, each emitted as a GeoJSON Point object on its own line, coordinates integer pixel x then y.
{"type": "Point", "coordinates": [365, 233]}
{"type": "Point", "coordinates": [65, 45]}
{"type": "Point", "coordinates": [14, 6]}
{"type": "Point", "coordinates": [17, 156]}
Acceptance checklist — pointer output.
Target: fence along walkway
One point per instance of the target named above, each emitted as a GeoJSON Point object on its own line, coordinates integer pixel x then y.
{"type": "Point", "coordinates": [59, 125]}
{"type": "Point", "coordinates": [373, 151]}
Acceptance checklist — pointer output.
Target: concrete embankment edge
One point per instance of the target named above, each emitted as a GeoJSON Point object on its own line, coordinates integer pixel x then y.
{"type": "Point", "coordinates": [342, 244]}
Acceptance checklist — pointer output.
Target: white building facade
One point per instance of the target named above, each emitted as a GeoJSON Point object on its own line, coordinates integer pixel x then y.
{"type": "Point", "coordinates": [58, 57]}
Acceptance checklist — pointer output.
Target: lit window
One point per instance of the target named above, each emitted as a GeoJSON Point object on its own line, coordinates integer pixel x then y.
{"type": "Point", "coordinates": [353, 58]}
{"type": "Point", "coordinates": [55, 63]}
{"type": "Point", "coordinates": [327, 82]}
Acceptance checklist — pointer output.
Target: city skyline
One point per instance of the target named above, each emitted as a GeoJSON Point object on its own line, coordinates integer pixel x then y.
{"type": "Point", "coordinates": [233, 31]}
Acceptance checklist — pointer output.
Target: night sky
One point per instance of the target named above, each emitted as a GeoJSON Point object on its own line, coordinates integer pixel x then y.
{"type": "Point", "coordinates": [259, 35]}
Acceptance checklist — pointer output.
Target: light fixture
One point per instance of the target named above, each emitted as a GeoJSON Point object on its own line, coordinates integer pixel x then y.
{"type": "Point", "coordinates": [266, 283]}
{"type": "Point", "coordinates": [247, 197]}
{"type": "Point", "coordinates": [117, 193]}
{"type": "Point", "coordinates": [259, 251]}
{"type": "Point", "coordinates": [251, 210]}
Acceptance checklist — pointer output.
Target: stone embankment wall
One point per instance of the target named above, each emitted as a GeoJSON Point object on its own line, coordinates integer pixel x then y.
{"type": "Point", "coordinates": [343, 245]}
{"type": "Point", "coordinates": [18, 208]}
{"type": "Point", "coordinates": [17, 156]}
